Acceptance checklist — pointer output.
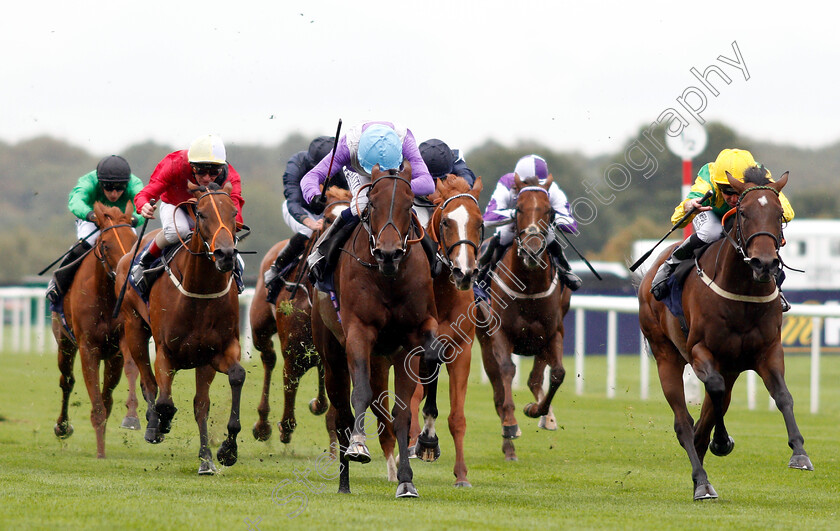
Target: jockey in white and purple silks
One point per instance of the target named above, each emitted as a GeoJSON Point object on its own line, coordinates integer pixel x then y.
{"type": "Point", "coordinates": [359, 150]}
{"type": "Point", "coordinates": [501, 213]}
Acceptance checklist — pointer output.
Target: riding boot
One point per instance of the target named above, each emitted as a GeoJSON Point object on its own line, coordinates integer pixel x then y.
{"type": "Point", "coordinates": [324, 257]}
{"type": "Point", "coordinates": [429, 245]}
{"type": "Point", "coordinates": [780, 277]}
{"type": "Point", "coordinates": [63, 276]}
{"type": "Point", "coordinates": [563, 268]}
{"type": "Point", "coordinates": [138, 270]}
{"type": "Point", "coordinates": [488, 259]}
{"type": "Point", "coordinates": [285, 257]}
{"type": "Point", "coordinates": [239, 273]}
{"type": "Point", "coordinates": [659, 286]}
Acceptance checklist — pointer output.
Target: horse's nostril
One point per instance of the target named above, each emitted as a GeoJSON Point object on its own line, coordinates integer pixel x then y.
{"type": "Point", "coordinates": [398, 254]}
{"type": "Point", "coordinates": [377, 253]}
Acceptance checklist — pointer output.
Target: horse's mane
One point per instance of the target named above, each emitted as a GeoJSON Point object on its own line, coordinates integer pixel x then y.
{"type": "Point", "coordinates": [335, 193]}
{"type": "Point", "coordinates": [213, 186]}
{"type": "Point", "coordinates": [448, 187]}
{"type": "Point", "coordinates": [756, 175]}
{"type": "Point", "coordinates": [533, 180]}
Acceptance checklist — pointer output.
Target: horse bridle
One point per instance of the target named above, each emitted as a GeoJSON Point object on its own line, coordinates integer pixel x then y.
{"type": "Point", "coordinates": [447, 249]}
{"type": "Point", "coordinates": [100, 254]}
{"type": "Point", "coordinates": [365, 216]}
{"type": "Point", "coordinates": [543, 232]}
{"type": "Point", "coordinates": [211, 245]}
{"type": "Point", "coordinates": [738, 242]}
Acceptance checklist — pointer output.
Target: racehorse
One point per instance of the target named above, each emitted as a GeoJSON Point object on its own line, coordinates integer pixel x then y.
{"type": "Point", "coordinates": [525, 315]}
{"type": "Point", "coordinates": [290, 320]}
{"type": "Point", "coordinates": [734, 318]}
{"type": "Point", "coordinates": [386, 305]}
{"type": "Point", "coordinates": [194, 317]}
{"type": "Point", "coordinates": [457, 226]}
{"type": "Point", "coordinates": [88, 305]}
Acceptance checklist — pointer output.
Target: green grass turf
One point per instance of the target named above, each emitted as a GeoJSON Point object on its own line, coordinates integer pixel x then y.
{"type": "Point", "coordinates": [611, 464]}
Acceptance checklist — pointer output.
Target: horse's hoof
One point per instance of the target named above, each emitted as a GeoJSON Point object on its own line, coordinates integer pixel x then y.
{"type": "Point", "coordinates": [207, 468]}
{"type": "Point", "coordinates": [511, 458]}
{"type": "Point", "coordinates": [528, 410]}
{"type": "Point", "coordinates": [406, 490]}
{"type": "Point", "coordinates": [316, 407]}
{"type": "Point", "coordinates": [343, 490]}
{"type": "Point", "coordinates": [511, 432]}
{"type": "Point", "coordinates": [548, 423]}
{"type": "Point", "coordinates": [464, 483]}
{"type": "Point", "coordinates": [227, 453]}
{"type": "Point", "coordinates": [427, 448]}
{"type": "Point", "coordinates": [723, 450]}
{"type": "Point", "coordinates": [285, 431]}
{"type": "Point", "coordinates": [130, 423]}
{"type": "Point", "coordinates": [152, 436]}
{"type": "Point", "coordinates": [705, 492]}
{"type": "Point", "coordinates": [357, 452]}
{"type": "Point", "coordinates": [801, 462]}
{"type": "Point", "coordinates": [64, 430]}
{"type": "Point", "coordinates": [166, 413]}
{"type": "Point", "coordinates": [262, 431]}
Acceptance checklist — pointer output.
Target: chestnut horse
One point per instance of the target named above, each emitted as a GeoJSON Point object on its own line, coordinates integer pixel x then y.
{"type": "Point", "coordinates": [526, 314]}
{"type": "Point", "coordinates": [734, 318]}
{"type": "Point", "coordinates": [194, 317]}
{"type": "Point", "coordinates": [387, 308]}
{"type": "Point", "coordinates": [457, 226]}
{"type": "Point", "coordinates": [87, 309]}
{"type": "Point", "coordinates": [290, 320]}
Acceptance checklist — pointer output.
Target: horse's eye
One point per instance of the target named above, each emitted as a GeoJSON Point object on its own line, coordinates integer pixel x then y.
{"type": "Point", "coordinates": [445, 222]}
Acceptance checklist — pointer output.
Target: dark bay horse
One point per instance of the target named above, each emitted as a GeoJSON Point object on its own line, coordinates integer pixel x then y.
{"type": "Point", "coordinates": [457, 226]}
{"type": "Point", "coordinates": [387, 308]}
{"type": "Point", "coordinates": [88, 305]}
{"type": "Point", "coordinates": [526, 314]}
{"type": "Point", "coordinates": [734, 318]}
{"type": "Point", "coordinates": [290, 320]}
{"type": "Point", "coordinates": [194, 318]}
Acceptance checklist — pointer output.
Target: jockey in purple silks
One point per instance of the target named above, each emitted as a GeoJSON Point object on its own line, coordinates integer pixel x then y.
{"type": "Point", "coordinates": [359, 150]}
{"type": "Point", "coordinates": [501, 212]}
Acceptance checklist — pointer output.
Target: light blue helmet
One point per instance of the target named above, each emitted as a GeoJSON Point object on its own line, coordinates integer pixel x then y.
{"type": "Point", "coordinates": [379, 144]}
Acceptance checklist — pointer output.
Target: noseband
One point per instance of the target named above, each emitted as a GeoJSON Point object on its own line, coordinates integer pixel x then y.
{"type": "Point", "coordinates": [739, 242]}
{"type": "Point", "coordinates": [373, 240]}
{"type": "Point", "coordinates": [99, 252]}
{"type": "Point", "coordinates": [447, 249]}
{"type": "Point", "coordinates": [544, 228]}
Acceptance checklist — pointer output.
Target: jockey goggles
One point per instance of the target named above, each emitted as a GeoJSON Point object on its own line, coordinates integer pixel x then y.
{"type": "Point", "coordinates": [210, 169]}
{"type": "Point", "coordinates": [112, 187]}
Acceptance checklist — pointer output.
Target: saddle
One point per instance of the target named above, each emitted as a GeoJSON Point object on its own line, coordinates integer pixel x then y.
{"type": "Point", "coordinates": [156, 269]}
{"type": "Point", "coordinates": [673, 301]}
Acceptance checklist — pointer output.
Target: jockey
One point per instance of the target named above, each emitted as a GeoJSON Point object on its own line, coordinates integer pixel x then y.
{"type": "Point", "coordinates": [112, 184]}
{"type": "Point", "coordinates": [706, 223]}
{"type": "Point", "coordinates": [301, 220]}
{"type": "Point", "coordinates": [363, 147]}
{"type": "Point", "coordinates": [441, 161]}
{"type": "Point", "coordinates": [203, 163]}
{"type": "Point", "coordinates": [501, 212]}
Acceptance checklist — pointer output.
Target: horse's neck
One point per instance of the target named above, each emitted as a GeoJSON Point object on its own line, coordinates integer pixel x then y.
{"type": "Point", "coordinates": [199, 272]}
{"type": "Point", "coordinates": [535, 280]}
{"type": "Point", "coordinates": [100, 271]}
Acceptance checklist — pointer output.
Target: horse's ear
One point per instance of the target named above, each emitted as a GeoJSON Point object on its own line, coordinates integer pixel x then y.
{"type": "Point", "coordinates": [477, 187]}
{"type": "Point", "coordinates": [778, 185]}
{"type": "Point", "coordinates": [227, 188]}
{"type": "Point", "coordinates": [548, 181]}
{"type": "Point", "coordinates": [129, 208]}
{"type": "Point", "coordinates": [406, 171]}
{"type": "Point", "coordinates": [99, 212]}
{"type": "Point", "coordinates": [194, 189]}
{"type": "Point", "coordinates": [735, 183]}
{"type": "Point", "coordinates": [517, 182]}
{"type": "Point", "coordinates": [375, 173]}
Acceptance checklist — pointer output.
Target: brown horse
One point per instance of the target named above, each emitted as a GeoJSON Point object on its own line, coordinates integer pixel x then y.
{"type": "Point", "coordinates": [290, 320]}
{"type": "Point", "coordinates": [194, 317]}
{"type": "Point", "coordinates": [387, 308]}
{"type": "Point", "coordinates": [526, 314]}
{"type": "Point", "coordinates": [734, 319]}
{"type": "Point", "coordinates": [87, 308]}
{"type": "Point", "coordinates": [457, 226]}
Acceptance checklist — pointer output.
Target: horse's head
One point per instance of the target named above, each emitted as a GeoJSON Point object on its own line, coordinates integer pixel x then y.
{"type": "Point", "coordinates": [458, 226]}
{"type": "Point", "coordinates": [758, 221]}
{"type": "Point", "coordinates": [215, 223]}
{"type": "Point", "coordinates": [534, 215]}
{"type": "Point", "coordinates": [388, 217]}
{"type": "Point", "coordinates": [116, 235]}
{"type": "Point", "coordinates": [338, 200]}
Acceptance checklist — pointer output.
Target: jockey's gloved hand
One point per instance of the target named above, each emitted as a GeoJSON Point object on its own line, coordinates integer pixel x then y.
{"type": "Point", "coordinates": [91, 216]}
{"type": "Point", "coordinates": [134, 221]}
{"type": "Point", "coordinates": [318, 204]}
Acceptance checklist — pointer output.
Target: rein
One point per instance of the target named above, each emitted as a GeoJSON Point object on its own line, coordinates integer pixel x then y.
{"type": "Point", "coordinates": [100, 253]}
{"type": "Point", "coordinates": [365, 216]}
{"type": "Point", "coordinates": [737, 242]}
{"type": "Point", "coordinates": [211, 247]}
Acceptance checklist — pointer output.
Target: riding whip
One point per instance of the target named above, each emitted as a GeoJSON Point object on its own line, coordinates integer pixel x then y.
{"type": "Point", "coordinates": [128, 272]}
{"type": "Point", "coordinates": [644, 257]}
{"type": "Point", "coordinates": [318, 205]}
{"type": "Point", "coordinates": [70, 250]}
{"type": "Point", "coordinates": [585, 261]}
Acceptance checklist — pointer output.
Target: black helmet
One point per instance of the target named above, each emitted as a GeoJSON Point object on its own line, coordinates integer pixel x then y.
{"type": "Point", "coordinates": [113, 169]}
{"type": "Point", "coordinates": [320, 148]}
{"type": "Point", "coordinates": [438, 157]}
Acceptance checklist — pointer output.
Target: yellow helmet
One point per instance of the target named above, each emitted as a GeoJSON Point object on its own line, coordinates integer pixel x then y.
{"type": "Point", "coordinates": [207, 149]}
{"type": "Point", "coordinates": [734, 161]}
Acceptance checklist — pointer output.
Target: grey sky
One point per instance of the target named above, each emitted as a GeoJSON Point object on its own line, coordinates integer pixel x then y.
{"type": "Point", "coordinates": [572, 75]}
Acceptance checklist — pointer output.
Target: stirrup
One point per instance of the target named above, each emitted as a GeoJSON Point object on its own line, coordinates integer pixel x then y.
{"type": "Point", "coordinates": [784, 301]}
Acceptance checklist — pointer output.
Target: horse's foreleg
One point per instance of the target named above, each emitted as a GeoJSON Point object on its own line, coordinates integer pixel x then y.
{"type": "Point", "coordinates": [670, 368]}
{"type": "Point", "coordinates": [164, 409]}
{"type": "Point", "coordinates": [204, 376]}
{"type": "Point", "coordinates": [66, 359]}
{"type": "Point", "coordinates": [135, 341]}
{"type": "Point", "coordinates": [292, 373]}
{"type": "Point", "coordinates": [380, 367]}
{"type": "Point", "coordinates": [459, 373]}
{"type": "Point", "coordinates": [404, 386]}
{"type": "Point", "coordinates": [714, 405]}
{"type": "Point", "coordinates": [112, 374]}
{"type": "Point", "coordinates": [132, 419]}
{"type": "Point", "coordinates": [263, 343]}
{"type": "Point", "coordinates": [772, 372]}
{"type": "Point", "coordinates": [319, 405]}
{"type": "Point", "coordinates": [228, 452]}
{"type": "Point", "coordinates": [501, 370]}
{"type": "Point", "coordinates": [360, 340]}
{"type": "Point", "coordinates": [90, 372]}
